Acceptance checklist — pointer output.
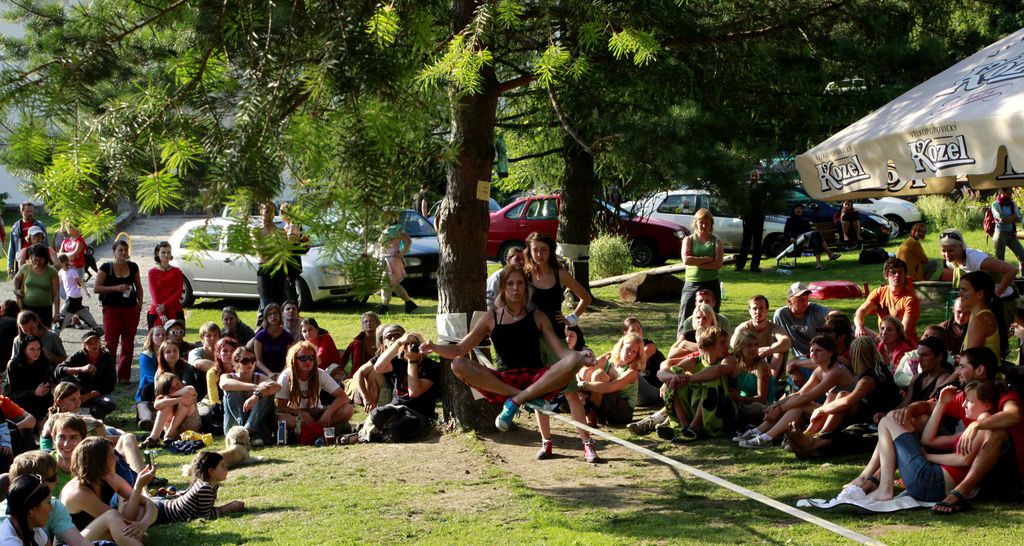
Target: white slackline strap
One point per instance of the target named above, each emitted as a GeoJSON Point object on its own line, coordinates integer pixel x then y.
{"type": "Point", "coordinates": [800, 514]}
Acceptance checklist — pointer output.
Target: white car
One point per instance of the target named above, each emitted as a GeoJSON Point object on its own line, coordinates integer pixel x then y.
{"type": "Point", "coordinates": [679, 206]}
{"type": "Point", "coordinates": [901, 213]}
{"type": "Point", "coordinates": [218, 273]}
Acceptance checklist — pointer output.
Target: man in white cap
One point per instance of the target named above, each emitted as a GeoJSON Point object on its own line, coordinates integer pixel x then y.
{"type": "Point", "coordinates": [20, 234]}
{"type": "Point", "coordinates": [800, 318]}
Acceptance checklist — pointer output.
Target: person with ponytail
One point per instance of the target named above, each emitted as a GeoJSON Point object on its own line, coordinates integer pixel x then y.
{"type": "Point", "coordinates": [28, 508]}
{"type": "Point", "coordinates": [208, 471]}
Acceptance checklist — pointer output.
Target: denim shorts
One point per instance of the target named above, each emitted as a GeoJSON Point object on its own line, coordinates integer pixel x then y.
{"type": "Point", "coordinates": [922, 478]}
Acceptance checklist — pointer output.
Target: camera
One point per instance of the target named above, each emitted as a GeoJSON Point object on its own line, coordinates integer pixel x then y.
{"type": "Point", "coordinates": [414, 347]}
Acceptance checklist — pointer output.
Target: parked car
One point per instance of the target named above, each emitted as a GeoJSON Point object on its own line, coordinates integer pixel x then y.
{"type": "Point", "coordinates": [492, 206]}
{"type": "Point", "coordinates": [900, 212]}
{"type": "Point", "coordinates": [679, 206]}
{"type": "Point", "coordinates": [652, 241]}
{"type": "Point", "coordinates": [217, 272]}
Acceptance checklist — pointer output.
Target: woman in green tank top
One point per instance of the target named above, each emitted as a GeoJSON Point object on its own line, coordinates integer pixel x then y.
{"type": "Point", "coordinates": [702, 256]}
{"type": "Point", "coordinates": [750, 385]}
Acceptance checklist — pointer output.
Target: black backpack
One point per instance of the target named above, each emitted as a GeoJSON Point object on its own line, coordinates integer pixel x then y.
{"type": "Point", "coordinates": [875, 255]}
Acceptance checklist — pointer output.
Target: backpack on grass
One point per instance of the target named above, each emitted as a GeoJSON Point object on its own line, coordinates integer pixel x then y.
{"type": "Point", "coordinates": [875, 255]}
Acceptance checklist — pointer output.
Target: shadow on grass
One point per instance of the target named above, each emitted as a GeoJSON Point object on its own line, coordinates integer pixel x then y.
{"type": "Point", "coordinates": [197, 535]}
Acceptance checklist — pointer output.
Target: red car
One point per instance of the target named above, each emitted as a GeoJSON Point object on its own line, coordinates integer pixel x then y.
{"type": "Point", "coordinates": [652, 241]}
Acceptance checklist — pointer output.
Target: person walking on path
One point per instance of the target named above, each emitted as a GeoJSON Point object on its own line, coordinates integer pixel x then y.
{"type": "Point", "coordinates": [19, 238]}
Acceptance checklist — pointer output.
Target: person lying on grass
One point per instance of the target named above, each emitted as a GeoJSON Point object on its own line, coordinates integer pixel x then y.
{"type": "Point", "coordinates": [520, 376]}
{"type": "Point", "coordinates": [928, 477]}
{"type": "Point", "coordinates": [794, 408]}
{"type": "Point", "coordinates": [996, 470]}
{"type": "Point", "coordinates": [697, 391]}
{"type": "Point", "coordinates": [95, 488]}
{"type": "Point", "coordinates": [609, 387]}
{"type": "Point", "coordinates": [176, 410]}
{"type": "Point", "coordinates": [208, 471]}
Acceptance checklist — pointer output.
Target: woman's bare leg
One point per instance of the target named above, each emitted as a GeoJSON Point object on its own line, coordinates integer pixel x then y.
{"type": "Point", "coordinates": [578, 413]}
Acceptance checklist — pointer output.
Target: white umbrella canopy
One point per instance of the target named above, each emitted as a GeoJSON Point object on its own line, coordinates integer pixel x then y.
{"type": "Point", "coordinates": [967, 123]}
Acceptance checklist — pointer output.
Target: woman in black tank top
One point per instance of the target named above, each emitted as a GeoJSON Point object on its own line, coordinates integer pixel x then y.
{"type": "Point", "coordinates": [548, 281]}
{"type": "Point", "coordinates": [520, 378]}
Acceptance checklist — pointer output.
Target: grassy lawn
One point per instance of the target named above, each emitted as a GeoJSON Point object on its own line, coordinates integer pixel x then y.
{"type": "Point", "coordinates": [487, 489]}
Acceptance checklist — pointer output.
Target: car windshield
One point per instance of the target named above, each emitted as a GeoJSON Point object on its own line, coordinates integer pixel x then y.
{"type": "Point", "coordinates": [623, 213]}
{"type": "Point", "coordinates": [416, 225]}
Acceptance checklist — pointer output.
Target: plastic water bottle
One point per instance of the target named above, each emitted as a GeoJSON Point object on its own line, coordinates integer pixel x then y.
{"type": "Point", "coordinates": [282, 432]}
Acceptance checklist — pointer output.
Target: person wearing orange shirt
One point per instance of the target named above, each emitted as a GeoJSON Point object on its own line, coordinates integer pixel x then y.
{"type": "Point", "coordinates": [896, 298]}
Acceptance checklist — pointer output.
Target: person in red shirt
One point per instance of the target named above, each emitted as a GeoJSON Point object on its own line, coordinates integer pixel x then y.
{"type": "Point", "coordinates": [999, 465]}
{"type": "Point", "coordinates": [326, 350]}
{"type": "Point", "coordinates": [896, 298]}
{"type": "Point", "coordinates": [165, 285]}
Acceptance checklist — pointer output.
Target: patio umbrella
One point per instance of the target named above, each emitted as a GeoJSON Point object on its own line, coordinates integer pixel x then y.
{"type": "Point", "coordinates": [966, 124]}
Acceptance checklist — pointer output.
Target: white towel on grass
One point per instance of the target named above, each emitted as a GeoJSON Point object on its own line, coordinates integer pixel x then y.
{"type": "Point", "coordinates": [854, 496]}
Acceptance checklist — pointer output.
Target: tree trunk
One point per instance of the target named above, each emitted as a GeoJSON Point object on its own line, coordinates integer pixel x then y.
{"type": "Point", "coordinates": [462, 221]}
{"type": "Point", "coordinates": [574, 220]}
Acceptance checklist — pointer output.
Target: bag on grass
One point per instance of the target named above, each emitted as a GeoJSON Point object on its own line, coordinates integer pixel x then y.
{"type": "Point", "coordinates": [876, 255]}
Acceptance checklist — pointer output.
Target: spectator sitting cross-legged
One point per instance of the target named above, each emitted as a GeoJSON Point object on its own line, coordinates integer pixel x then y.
{"type": "Point", "coordinates": [326, 350]}
{"type": "Point", "coordinates": [896, 298]}
{"type": "Point", "coordinates": [301, 383]}
{"type": "Point", "coordinates": [248, 395]}
{"type": "Point", "coordinates": [93, 370]}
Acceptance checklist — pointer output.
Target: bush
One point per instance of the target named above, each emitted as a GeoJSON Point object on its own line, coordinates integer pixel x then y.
{"type": "Point", "coordinates": [941, 212]}
{"type": "Point", "coordinates": [609, 256]}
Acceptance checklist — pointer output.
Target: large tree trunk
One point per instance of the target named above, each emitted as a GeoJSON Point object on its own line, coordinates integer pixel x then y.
{"type": "Point", "coordinates": [577, 205]}
{"type": "Point", "coordinates": [463, 222]}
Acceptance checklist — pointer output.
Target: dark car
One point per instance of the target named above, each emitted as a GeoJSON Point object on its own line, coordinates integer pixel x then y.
{"type": "Point", "coordinates": [652, 241]}
{"type": "Point", "coordinates": [422, 259]}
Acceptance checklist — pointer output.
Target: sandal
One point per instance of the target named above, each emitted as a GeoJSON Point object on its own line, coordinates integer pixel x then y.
{"type": "Point", "coordinates": [349, 439]}
{"type": "Point", "coordinates": [150, 443]}
{"type": "Point", "coordinates": [949, 508]}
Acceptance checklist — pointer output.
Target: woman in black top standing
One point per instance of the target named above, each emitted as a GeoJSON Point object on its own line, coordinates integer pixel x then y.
{"type": "Point", "coordinates": [521, 377]}
{"type": "Point", "coordinates": [119, 286]}
{"type": "Point", "coordinates": [548, 282]}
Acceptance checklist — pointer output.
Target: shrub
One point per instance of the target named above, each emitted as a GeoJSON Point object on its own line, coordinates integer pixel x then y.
{"type": "Point", "coordinates": [941, 212]}
{"type": "Point", "coordinates": [609, 256]}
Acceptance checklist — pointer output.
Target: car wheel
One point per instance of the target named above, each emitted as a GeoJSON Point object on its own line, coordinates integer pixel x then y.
{"type": "Point", "coordinates": [503, 250]}
{"type": "Point", "coordinates": [188, 298]}
{"type": "Point", "coordinates": [305, 298]}
{"type": "Point", "coordinates": [643, 252]}
{"type": "Point", "coordinates": [773, 245]}
{"type": "Point", "coordinates": [898, 225]}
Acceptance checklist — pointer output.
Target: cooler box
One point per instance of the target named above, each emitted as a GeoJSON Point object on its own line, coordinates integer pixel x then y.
{"type": "Point", "coordinates": [835, 290]}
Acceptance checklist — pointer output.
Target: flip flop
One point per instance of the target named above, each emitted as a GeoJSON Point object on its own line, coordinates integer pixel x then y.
{"type": "Point", "coordinates": [949, 508]}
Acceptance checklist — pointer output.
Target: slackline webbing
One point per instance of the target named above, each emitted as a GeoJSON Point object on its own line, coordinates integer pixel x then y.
{"type": "Point", "coordinates": [753, 495]}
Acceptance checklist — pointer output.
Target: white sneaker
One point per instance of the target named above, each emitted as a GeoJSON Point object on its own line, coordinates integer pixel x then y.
{"type": "Point", "coordinates": [756, 441]}
{"type": "Point", "coordinates": [750, 433]}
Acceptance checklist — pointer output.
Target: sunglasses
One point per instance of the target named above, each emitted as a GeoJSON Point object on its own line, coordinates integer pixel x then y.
{"type": "Point", "coordinates": [951, 235]}
{"type": "Point", "coordinates": [305, 358]}
{"type": "Point", "coordinates": [392, 337]}
{"type": "Point", "coordinates": [246, 361]}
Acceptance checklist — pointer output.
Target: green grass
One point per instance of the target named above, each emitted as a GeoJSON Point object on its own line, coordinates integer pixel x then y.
{"type": "Point", "coordinates": [484, 489]}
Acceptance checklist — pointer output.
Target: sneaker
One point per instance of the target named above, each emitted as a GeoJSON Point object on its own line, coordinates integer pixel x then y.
{"type": "Point", "coordinates": [545, 450]}
{"type": "Point", "coordinates": [665, 431]}
{"type": "Point", "coordinates": [647, 424]}
{"type": "Point", "coordinates": [589, 453]}
{"type": "Point", "coordinates": [750, 433]}
{"type": "Point", "coordinates": [756, 441]}
{"type": "Point", "coordinates": [503, 422]}
{"type": "Point", "coordinates": [410, 306]}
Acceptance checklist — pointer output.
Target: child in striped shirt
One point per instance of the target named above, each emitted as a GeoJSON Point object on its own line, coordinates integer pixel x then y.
{"type": "Point", "coordinates": [208, 472]}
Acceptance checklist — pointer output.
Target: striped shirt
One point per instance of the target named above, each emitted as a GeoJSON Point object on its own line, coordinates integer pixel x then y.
{"type": "Point", "coordinates": [197, 502]}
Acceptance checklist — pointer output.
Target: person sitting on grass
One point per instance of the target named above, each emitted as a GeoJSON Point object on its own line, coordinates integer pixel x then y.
{"type": "Point", "coordinates": [234, 327]}
{"type": "Point", "coordinates": [176, 410]}
{"type": "Point", "coordinates": [956, 327]}
{"type": "Point", "coordinates": [610, 394]}
{"type": "Point", "coordinates": [58, 523]}
{"type": "Point", "coordinates": [168, 360]}
{"type": "Point", "coordinates": [28, 510]}
{"type": "Point", "coordinates": [705, 297]}
{"type": "Point", "coordinates": [986, 327]}
{"type": "Point", "coordinates": [773, 341]}
{"type": "Point", "coordinates": [928, 477]}
{"type": "Point", "coordinates": [93, 490]}
{"type": "Point", "coordinates": [301, 382]}
{"type": "Point", "coordinates": [94, 371]}
{"type": "Point", "coordinates": [874, 392]}
{"type": "Point", "coordinates": [326, 350]}
{"type": "Point", "coordinates": [697, 391]}
{"type": "Point", "coordinates": [648, 383]}
{"type": "Point", "coordinates": [204, 356]}
{"type": "Point", "coordinates": [704, 316]}
{"type": "Point", "coordinates": [208, 471]}
{"type": "Point", "coordinates": [996, 470]}
{"type": "Point", "coordinates": [363, 346]}
{"type": "Point", "coordinates": [16, 430]}
{"type": "Point", "coordinates": [750, 385]}
{"type": "Point", "coordinates": [800, 318]}
{"type": "Point", "coordinates": [794, 408]}
{"type": "Point", "coordinates": [963, 260]}
{"type": "Point", "coordinates": [248, 395]}
{"type": "Point", "coordinates": [896, 298]}
{"type": "Point", "coordinates": [222, 364]}
{"type": "Point", "coordinates": [145, 394]}
{"type": "Point", "coordinates": [369, 388]}
{"type": "Point", "coordinates": [520, 376]}
{"type": "Point", "coordinates": [29, 379]}
{"type": "Point", "coordinates": [413, 404]}
{"type": "Point", "coordinates": [892, 342]}
{"type": "Point", "coordinates": [924, 370]}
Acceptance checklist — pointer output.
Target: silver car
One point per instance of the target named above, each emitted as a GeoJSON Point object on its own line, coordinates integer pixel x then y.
{"type": "Point", "coordinates": [222, 274]}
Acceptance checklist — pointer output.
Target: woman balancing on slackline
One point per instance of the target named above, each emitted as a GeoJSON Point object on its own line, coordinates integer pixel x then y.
{"type": "Point", "coordinates": [521, 377]}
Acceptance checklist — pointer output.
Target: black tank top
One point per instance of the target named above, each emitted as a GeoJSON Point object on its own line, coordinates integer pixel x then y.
{"type": "Point", "coordinates": [549, 301]}
{"type": "Point", "coordinates": [119, 299]}
{"type": "Point", "coordinates": [516, 345]}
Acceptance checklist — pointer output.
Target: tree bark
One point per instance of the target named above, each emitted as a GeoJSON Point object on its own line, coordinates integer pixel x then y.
{"type": "Point", "coordinates": [463, 221]}
{"type": "Point", "coordinates": [574, 222]}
